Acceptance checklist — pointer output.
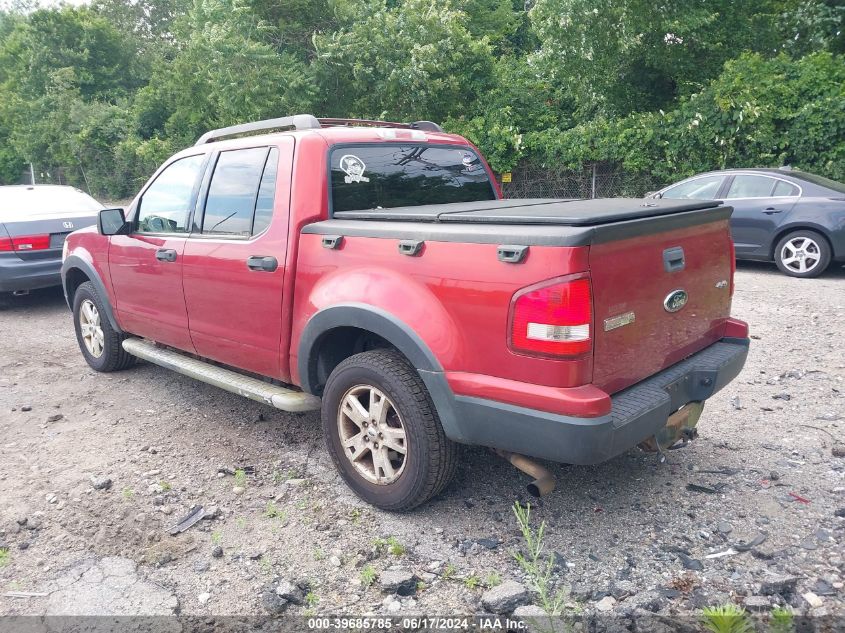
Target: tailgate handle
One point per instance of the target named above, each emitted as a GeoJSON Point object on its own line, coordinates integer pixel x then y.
{"type": "Point", "coordinates": [411, 248]}
{"type": "Point", "coordinates": [511, 254]}
{"type": "Point", "coordinates": [673, 259]}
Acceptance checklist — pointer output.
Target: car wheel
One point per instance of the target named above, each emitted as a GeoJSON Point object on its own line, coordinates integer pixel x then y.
{"type": "Point", "coordinates": [802, 254]}
{"type": "Point", "coordinates": [383, 432]}
{"type": "Point", "coordinates": [101, 345]}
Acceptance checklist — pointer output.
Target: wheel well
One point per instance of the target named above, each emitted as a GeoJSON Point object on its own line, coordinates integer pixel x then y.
{"type": "Point", "coordinates": [335, 346]}
{"type": "Point", "coordinates": [73, 279]}
{"type": "Point", "coordinates": [794, 229]}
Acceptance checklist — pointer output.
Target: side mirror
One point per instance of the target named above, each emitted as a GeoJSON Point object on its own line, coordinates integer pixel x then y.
{"type": "Point", "coordinates": [112, 222]}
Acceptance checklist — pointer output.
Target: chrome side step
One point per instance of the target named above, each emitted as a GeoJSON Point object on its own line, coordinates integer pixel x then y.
{"type": "Point", "coordinates": [246, 386]}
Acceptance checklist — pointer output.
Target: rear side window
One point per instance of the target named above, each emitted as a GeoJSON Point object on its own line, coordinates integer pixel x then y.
{"type": "Point", "coordinates": [166, 204]}
{"type": "Point", "coordinates": [232, 193]}
{"type": "Point", "coordinates": [784, 188]}
{"type": "Point", "coordinates": [266, 193]}
{"type": "Point", "coordinates": [384, 176]}
{"type": "Point", "coordinates": [751, 187]}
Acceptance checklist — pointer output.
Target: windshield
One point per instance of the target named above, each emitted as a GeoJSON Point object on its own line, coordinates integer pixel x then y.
{"type": "Point", "coordinates": [383, 176]}
{"type": "Point", "coordinates": [22, 203]}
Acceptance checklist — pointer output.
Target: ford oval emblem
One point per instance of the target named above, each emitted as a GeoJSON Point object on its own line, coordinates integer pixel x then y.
{"type": "Point", "coordinates": [675, 300]}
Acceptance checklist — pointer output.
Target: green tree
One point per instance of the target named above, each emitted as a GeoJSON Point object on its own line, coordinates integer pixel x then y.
{"type": "Point", "coordinates": [758, 112]}
{"type": "Point", "coordinates": [59, 68]}
{"type": "Point", "coordinates": [76, 39]}
{"type": "Point", "coordinates": [224, 73]}
{"type": "Point", "coordinates": [295, 22]}
{"type": "Point", "coordinates": [415, 60]}
{"type": "Point", "coordinates": [622, 56]}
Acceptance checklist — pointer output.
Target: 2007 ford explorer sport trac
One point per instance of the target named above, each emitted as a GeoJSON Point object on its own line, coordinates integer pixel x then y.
{"type": "Point", "coordinates": [372, 270]}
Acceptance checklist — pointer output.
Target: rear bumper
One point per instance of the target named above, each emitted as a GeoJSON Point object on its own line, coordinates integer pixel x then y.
{"type": "Point", "coordinates": [18, 274]}
{"type": "Point", "coordinates": [637, 413]}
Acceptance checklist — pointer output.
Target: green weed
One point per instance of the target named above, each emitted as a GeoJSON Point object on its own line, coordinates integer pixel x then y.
{"type": "Point", "coordinates": [727, 618]}
{"type": "Point", "coordinates": [240, 478]}
{"type": "Point", "coordinates": [538, 568]}
{"type": "Point", "coordinates": [782, 620]}
{"type": "Point", "coordinates": [368, 575]}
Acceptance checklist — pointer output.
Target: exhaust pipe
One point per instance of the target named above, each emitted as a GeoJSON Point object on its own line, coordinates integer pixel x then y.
{"type": "Point", "coordinates": [544, 481]}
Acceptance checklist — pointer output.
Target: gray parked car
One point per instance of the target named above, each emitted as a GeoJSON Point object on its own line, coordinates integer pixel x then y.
{"type": "Point", "coordinates": [791, 217]}
{"type": "Point", "coordinates": [34, 221]}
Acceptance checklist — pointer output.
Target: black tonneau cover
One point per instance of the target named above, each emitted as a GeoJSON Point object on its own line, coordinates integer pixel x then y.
{"type": "Point", "coordinates": [548, 211]}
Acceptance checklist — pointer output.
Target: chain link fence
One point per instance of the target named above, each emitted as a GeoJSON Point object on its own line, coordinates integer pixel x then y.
{"type": "Point", "coordinates": [599, 180]}
{"type": "Point", "coordinates": [53, 175]}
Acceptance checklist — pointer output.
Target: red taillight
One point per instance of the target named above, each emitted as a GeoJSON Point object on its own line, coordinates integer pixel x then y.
{"type": "Point", "coordinates": [25, 243]}
{"type": "Point", "coordinates": [553, 320]}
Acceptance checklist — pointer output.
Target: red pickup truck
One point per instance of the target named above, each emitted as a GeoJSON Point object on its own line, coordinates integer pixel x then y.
{"type": "Point", "coordinates": [372, 270]}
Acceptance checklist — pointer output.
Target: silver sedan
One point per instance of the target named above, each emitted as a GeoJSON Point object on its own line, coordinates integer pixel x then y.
{"type": "Point", "coordinates": [34, 222]}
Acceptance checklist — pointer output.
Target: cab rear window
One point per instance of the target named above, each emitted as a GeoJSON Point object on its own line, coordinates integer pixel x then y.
{"type": "Point", "coordinates": [384, 176]}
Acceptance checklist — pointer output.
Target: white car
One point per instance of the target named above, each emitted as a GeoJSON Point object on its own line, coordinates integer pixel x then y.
{"type": "Point", "coordinates": [34, 222]}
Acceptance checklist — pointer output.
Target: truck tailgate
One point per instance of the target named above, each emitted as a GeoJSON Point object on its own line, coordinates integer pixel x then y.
{"type": "Point", "coordinates": [641, 322]}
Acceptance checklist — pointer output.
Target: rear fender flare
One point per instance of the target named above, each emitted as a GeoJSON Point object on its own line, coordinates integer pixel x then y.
{"type": "Point", "coordinates": [394, 331]}
{"type": "Point", "coordinates": [76, 262]}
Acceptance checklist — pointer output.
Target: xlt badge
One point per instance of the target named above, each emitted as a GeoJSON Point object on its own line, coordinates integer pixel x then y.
{"type": "Point", "coordinates": [618, 321]}
{"type": "Point", "coordinates": [675, 300]}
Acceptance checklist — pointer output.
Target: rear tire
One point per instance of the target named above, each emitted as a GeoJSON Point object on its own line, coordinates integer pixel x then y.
{"type": "Point", "coordinates": [802, 254]}
{"type": "Point", "coordinates": [100, 344]}
{"type": "Point", "coordinates": [375, 405]}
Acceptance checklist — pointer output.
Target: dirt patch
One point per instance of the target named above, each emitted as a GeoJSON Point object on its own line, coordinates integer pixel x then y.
{"type": "Point", "coordinates": [766, 500]}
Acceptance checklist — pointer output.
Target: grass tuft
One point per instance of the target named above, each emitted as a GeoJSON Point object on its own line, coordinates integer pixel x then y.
{"type": "Point", "coordinates": [727, 618]}
{"type": "Point", "coordinates": [538, 568]}
{"type": "Point", "coordinates": [240, 478]}
{"type": "Point", "coordinates": [368, 575]}
{"type": "Point", "coordinates": [782, 620]}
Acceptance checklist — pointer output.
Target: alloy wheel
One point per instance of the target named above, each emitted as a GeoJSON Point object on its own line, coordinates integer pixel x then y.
{"type": "Point", "coordinates": [372, 434]}
{"type": "Point", "coordinates": [800, 254]}
{"type": "Point", "coordinates": [92, 330]}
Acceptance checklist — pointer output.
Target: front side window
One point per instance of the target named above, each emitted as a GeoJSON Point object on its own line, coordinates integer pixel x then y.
{"type": "Point", "coordinates": [232, 194]}
{"type": "Point", "coordinates": [704, 188]}
{"type": "Point", "coordinates": [166, 204]}
{"type": "Point", "coordinates": [751, 187]}
{"type": "Point", "coordinates": [383, 176]}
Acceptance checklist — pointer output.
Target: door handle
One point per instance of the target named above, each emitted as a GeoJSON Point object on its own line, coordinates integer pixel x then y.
{"type": "Point", "coordinates": [166, 255]}
{"type": "Point", "coordinates": [772, 210]}
{"type": "Point", "coordinates": [264, 264]}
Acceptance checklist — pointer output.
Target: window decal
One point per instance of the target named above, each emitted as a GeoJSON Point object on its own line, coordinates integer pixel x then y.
{"type": "Point", "coordinates": [354, 168]}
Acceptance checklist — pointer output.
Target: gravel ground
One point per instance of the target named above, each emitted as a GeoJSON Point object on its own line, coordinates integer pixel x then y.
{"type": "Point", "coordinates": [764, 527]}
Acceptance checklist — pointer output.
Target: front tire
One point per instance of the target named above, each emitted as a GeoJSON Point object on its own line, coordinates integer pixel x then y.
{"type": "Point", "coordinates": [802, 254]}
{"type": "Point", "coordinates": [383, 433]}
{"type": "Point", "coordinates": [100, 344]}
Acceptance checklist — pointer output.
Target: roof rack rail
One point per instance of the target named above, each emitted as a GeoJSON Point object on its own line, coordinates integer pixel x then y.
{"type": "Point", "coordinates": [296, 122]}
{"type": "Point", "coordinates": [427, 126]}
{"type": "Point", "coordinates": [308, 122]}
